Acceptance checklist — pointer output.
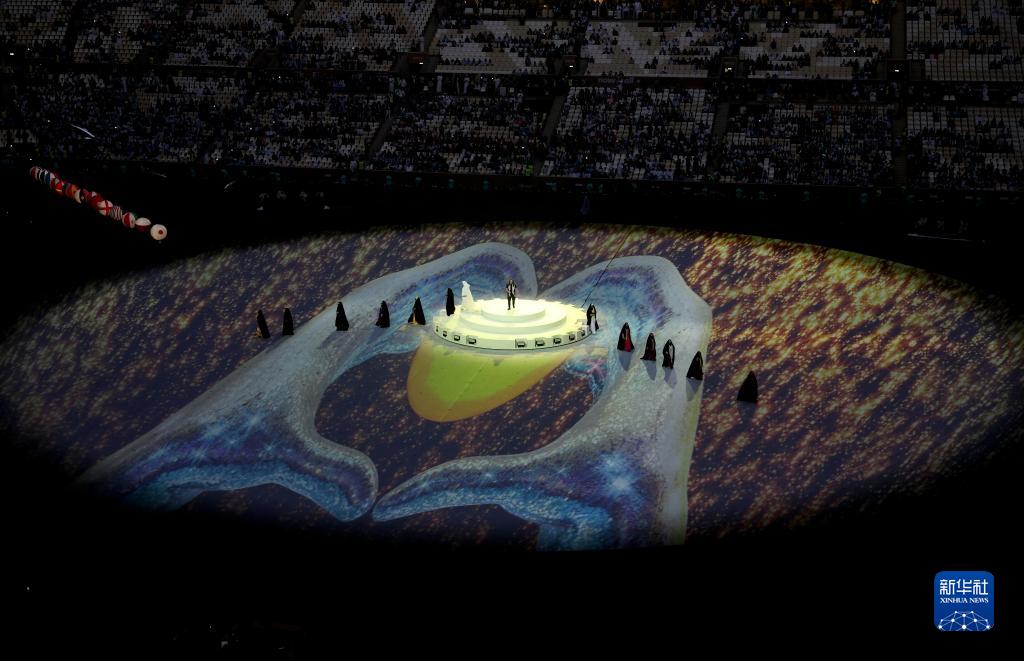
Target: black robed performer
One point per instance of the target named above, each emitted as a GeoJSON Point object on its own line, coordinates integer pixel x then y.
{"type": "Point", "coordinates": [651, 350]}
{"type": "Point", "coordinates": [748, 391]}
{"type": "Point", "coordinates": [383, 317]}
{"type": "Point", "coordinates": [261, 325]}
{"type": "Point", "coordinates": [592, 315]}
{"type": "Point", "coordinates": [449, 302]}
{"type": "Point", "coordinates": [510, 290]}
{"type": "Point", "coordinates": [668, 355]}
{"type": "Point", "coordinates": [417, 316]}
{"type": "Point", "coordinates": [625, 339]}
{"type": "Point", "coordinates": [340, 319]}
{"type": "Point", "coordinates": [696, 370]}
{"type": "Point", "coordinates": [289, 325]}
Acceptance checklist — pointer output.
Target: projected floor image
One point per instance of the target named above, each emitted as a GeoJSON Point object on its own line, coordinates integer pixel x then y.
{"type": "Point", "coordinates": [399, 434]}
{"type": "Point", "coordinates": [615, 478]}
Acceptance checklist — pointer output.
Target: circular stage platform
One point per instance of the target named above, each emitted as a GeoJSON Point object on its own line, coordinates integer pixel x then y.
{"type": "Point", "coordinates": [532, 324]}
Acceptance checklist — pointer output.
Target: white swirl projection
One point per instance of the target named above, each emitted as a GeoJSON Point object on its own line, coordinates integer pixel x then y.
{"type": "Point", "coordinates": [617, 478]}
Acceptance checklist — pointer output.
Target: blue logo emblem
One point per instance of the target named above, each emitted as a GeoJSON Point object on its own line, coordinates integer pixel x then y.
{"type": "Point", "coordinates": [964, 601]}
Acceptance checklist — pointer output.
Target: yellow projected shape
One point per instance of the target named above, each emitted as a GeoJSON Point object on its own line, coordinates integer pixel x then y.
{"type": "Point", "coordinates": [447, 384]}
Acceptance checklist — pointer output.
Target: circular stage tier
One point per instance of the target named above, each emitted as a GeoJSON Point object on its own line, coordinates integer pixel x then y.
{"type": "Point", "coordinates": [489, 324]}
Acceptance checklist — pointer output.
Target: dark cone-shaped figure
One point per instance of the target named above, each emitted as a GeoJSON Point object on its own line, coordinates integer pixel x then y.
{"type": "Point", "coordinates": [651, 350]}
{"type": "Point", "coordinates": [449, 302]}
{"type": "Point", "coordinates": [340, 318]}
{"type": "Point", "coordinates": [289, 325]}
{"type": "Point", "coordinates": [748, 391]}
{"type": "Point", "coordinates": [261, 325]}
{"type": "Point", "coordinates": [625, 339]}
{"type": "Point", "coordinates": [696, 370]}
{"type": "Point", "coordinates": [383, 317]}
{"type": "Point", "coordinates": [417, 313]}
{"type": "Point", "coordinates": [668, 355]}
{"type": "Point", "coordinates": [592, 314]}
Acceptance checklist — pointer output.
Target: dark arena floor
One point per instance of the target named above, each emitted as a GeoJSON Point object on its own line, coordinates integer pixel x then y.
{"type": "Point", "coordinates": [835, 212]}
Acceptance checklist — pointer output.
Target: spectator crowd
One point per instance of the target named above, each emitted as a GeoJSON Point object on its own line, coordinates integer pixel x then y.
{"type": "Point", "coordinates": [623, 89]}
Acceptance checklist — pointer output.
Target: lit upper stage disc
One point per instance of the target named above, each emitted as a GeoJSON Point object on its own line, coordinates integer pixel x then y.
{"type": "Point", "coordinates": [489, 324]}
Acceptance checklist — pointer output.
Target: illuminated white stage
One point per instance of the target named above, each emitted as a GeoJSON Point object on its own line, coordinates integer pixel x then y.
{"type": "Point", "coordinates": [532, 324]}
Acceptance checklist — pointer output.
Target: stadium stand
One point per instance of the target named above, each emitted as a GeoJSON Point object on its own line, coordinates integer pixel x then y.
{"type": "Point", "coordinates": [295, 122]}
{"type": "Point", "coordinates": [846, 47]}
{"type": "Point", "coordinates": [226, 33]}
{"type": "Point", "coordinates": [502, 46]}
{"type": "Point", "coordinates": [151, 117]}
{"type": "Point", "coordinates": [627, 48]}
{"type": "Point", "coordinates": [17, 141]}
{"type": "Point", "coordinates": [492, 130]}
{"type": "Point", "coordinates": [813, 93]}
{"type": "Point", "coordinates": [629, 132]}
{"type": "Point", "coordinates": [36, 26]}
{"type": "Point", "coordinates": [826, 144]}
{"type": "Point", "coordinates": [972, 147]}
{"type": "Point", "coordinates": [356, 35]}
{"type": "Point", "coordinates": [963, 40]}
{"type": "Point", "coordinates": [119, 31]}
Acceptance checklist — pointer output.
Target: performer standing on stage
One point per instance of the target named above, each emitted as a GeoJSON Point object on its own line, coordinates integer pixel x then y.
{"type": "Point", "coordinates": [592, 325]}
{"type": "Point", "coordinates": [510, 289]}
